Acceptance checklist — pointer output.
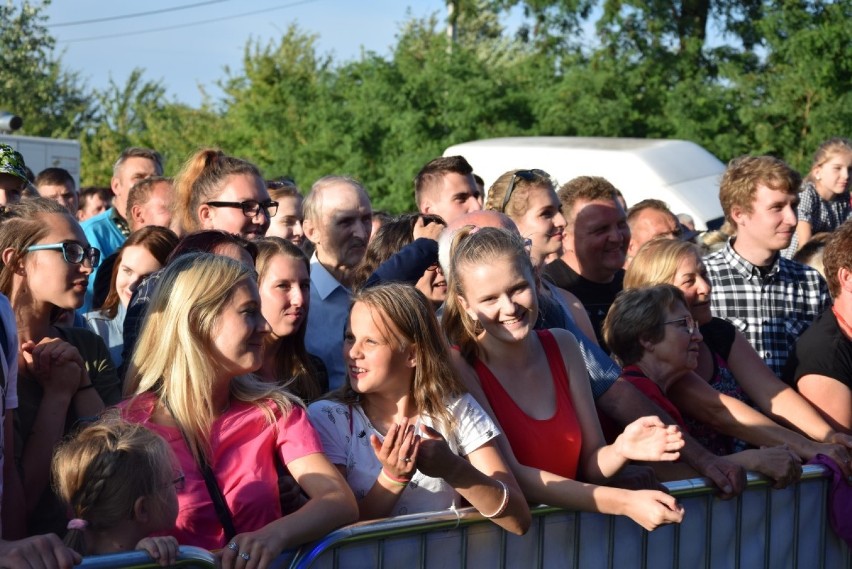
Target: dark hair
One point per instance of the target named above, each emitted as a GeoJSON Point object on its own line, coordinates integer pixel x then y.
{"type": "Point", "coordinates": [208, 240]}
{"type": "Point", "coordinates": [159, 241]}
{"type": "Point", "coordinates": [283, 187]}
{"type": "Point", "coordinates": [90, 191]}
{"type": "Point", "coordinates": [388, 240]}
{"type": "Point", "coordinates": [434, 170]}
{"type": "Point", "coordinates": [55, 177]}
{"type": "Point", "coordinates": [292, 362]}
{"type": "Point", "coordinates": [637, 315]}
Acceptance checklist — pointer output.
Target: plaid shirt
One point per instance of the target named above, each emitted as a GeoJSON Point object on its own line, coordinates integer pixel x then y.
{"type": "Point", "coordinates": [771, 311]}
{"type": "Point", "coordinates": [821, 214]}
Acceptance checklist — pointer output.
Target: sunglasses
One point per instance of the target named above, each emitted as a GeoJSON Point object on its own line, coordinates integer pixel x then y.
{"type": "Point", "coordinates": [526, 175]}
{"type": "Point", "coordinates": [73, 252]}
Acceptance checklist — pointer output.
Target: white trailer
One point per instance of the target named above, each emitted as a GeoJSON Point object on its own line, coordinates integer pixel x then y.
{"type": "Point", "coordinates": [40, 153]}
{"type": "Point", "coordinates": [679, 172]}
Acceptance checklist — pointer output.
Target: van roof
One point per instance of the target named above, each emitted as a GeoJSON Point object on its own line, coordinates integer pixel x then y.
{"type": "Point", "coordinates": [680, 172]}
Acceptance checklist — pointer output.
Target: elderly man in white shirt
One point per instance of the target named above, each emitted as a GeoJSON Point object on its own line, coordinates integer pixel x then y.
{"type": "Point", "coordinates": [337, 221]}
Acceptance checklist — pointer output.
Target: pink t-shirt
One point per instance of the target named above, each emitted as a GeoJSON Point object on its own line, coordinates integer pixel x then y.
{"type": "Point", "coordinates": [243, 445]}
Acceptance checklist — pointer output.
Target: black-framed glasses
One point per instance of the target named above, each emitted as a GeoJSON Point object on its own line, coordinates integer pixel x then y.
{"type": "Point", "coordinates": [687, 323]}
{"type": "Point", "coordinates": [251, 208]}
{"type": "Point", "coordinates": [73, 252]}
{"type": "Point", "coordinates": [180, 480]}
{"type": "Point", "coordinates": [527, 176]}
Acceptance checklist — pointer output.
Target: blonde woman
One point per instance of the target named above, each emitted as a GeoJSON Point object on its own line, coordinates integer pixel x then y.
{"type": "Point", "coordinates": [402, 429]}
{"type": "Point", "coordinates": [534, 383]}
{"type": "Point", "coordinates": [729, 363]}
{"type": "Point", "coordinates": [190, 381]}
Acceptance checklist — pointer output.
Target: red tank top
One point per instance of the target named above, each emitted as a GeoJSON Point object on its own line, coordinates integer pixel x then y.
{"type": "Point", "coordinates": [553, 444]}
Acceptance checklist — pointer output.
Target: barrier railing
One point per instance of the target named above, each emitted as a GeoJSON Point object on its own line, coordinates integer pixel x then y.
{"type": "Point", "coordinates": [188, 557]}
{"type": "Point", "coordinates": [761, 528]}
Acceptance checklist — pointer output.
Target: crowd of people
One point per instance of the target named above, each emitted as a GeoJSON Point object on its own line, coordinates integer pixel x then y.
{"type": "Point", "coordinates": [218, 360]}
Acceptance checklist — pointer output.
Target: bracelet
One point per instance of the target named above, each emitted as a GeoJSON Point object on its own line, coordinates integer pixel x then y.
{"type": "Point", "coordinates": [396, 481]}
{"type": "Point", "coordinates": [91, 385]}
{"type": "Point", "coordinates": [503, 504]}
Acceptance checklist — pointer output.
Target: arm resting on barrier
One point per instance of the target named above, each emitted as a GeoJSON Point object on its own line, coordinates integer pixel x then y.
{"type": "Point", "coordinates": [730, 416]}
{"type": "Point", "coordinates": [649, 508]}
{"type": "Point", "coordinates": [331, 505]}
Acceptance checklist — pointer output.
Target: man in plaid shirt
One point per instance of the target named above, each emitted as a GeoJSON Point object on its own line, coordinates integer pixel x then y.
{"type": "Point", "coordinates": [771, 300]}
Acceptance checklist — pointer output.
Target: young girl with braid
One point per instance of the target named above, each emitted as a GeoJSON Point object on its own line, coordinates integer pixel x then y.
{"type": "Point", "coordinates": [119, 481]}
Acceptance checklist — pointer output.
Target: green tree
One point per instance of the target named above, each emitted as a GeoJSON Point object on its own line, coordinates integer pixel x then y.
{"type": "Point", "coordinates": [33, 84]}
{"type": "Point", "coordinates": [137, 113]}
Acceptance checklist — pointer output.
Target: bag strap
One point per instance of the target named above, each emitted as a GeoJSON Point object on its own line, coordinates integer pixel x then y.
{"type": "Point", "coordinates": [223, 512]}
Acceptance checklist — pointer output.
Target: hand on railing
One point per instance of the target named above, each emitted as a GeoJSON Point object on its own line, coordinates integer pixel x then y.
{"type": "Point", "coordinates": [164, 549]}
{"type": "Point", "coordinates": [652, 509]}
{"type": "Point", "coordinates": [45, 551]}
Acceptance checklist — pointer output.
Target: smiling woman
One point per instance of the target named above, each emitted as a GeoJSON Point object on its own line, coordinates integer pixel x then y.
{"type": "Point", "coordinates": [402, 430]}
{"type": "Point", "coordinates": [217, 191]}
{"type": "Point", "coordinates": [66, 373]}
{"type": "Point", "coordinates": [191, 382]}
{"type": "Point", "coordinates": [144, 252]}
{"type": "Point", "coordinates": [535, 384]}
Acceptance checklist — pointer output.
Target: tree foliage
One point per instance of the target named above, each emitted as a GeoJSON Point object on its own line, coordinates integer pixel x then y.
{"type": "Point", "coordinates": [33, 84]}
{"type": "Point", "coordinates": [736, 76]}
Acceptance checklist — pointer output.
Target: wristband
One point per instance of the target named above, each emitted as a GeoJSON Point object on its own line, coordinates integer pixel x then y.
{"type": "Point", "coordinates": [396, 481]}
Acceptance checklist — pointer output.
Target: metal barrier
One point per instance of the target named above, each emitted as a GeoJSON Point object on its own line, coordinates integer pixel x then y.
{"type": "Point", "coordinates": [188, 557]}
{"type": "Point", "coordinates": [761, 528]}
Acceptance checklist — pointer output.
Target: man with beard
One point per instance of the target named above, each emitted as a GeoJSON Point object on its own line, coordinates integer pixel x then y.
{"type": "Point", "coordinates": [338, 221]}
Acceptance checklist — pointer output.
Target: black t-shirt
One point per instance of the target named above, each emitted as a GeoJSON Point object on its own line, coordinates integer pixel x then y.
{"type": "Point", "coordinates": [719, 336]}
{"type": "Point", "coordinates": [823, 349]}
{"type": "Point", "coordinates": [596, 297]}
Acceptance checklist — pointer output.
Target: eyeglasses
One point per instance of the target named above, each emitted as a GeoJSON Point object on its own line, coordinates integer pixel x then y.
{"type": "Point", "coordinates": [73, 252]}
{"type": "Point", "coordinates": [526, 175]}
{"type": "Point", "coordinates": [251, 208]}
{"type": "Point", "coordinates": [687, 323]}
{"type": "Point", "coordinates": [180, 480]}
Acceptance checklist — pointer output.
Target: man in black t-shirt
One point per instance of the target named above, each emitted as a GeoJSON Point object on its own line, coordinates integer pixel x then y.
{"type": "Point", "coordinates": [821, 365]}
{"type": "Point", "coordinates": [594, 246]}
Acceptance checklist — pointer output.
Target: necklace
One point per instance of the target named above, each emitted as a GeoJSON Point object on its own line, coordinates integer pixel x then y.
{"type": "Point", "coordinates": [844, 326]}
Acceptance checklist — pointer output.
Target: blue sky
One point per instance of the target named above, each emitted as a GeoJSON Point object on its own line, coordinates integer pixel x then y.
{"type": "Point", "coordinates": [185, 57]}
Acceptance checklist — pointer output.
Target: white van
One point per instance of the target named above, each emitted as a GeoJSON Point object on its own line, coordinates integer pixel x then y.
{"type": "Point", "coordinates": [679, 172]}
{"type": "Point", "coordinates": [40, 153]}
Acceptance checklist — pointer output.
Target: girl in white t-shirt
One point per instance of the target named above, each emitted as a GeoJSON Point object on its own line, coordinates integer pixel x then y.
{"type": "Point", "coordinates": [402, 429]}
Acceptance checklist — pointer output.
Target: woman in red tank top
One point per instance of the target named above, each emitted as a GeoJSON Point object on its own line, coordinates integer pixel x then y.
{"type": "Point", "coordinates": [536, 386]}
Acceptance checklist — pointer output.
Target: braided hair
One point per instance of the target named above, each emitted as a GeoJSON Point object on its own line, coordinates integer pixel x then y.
{"type": "Point", "coordinates": [104, 469]}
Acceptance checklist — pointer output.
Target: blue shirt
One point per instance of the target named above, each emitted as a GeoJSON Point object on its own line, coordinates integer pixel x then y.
{"type": "Point", "coordinates": [103, 234]}
{"type": "Point", "coordinates": [327, 320]}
